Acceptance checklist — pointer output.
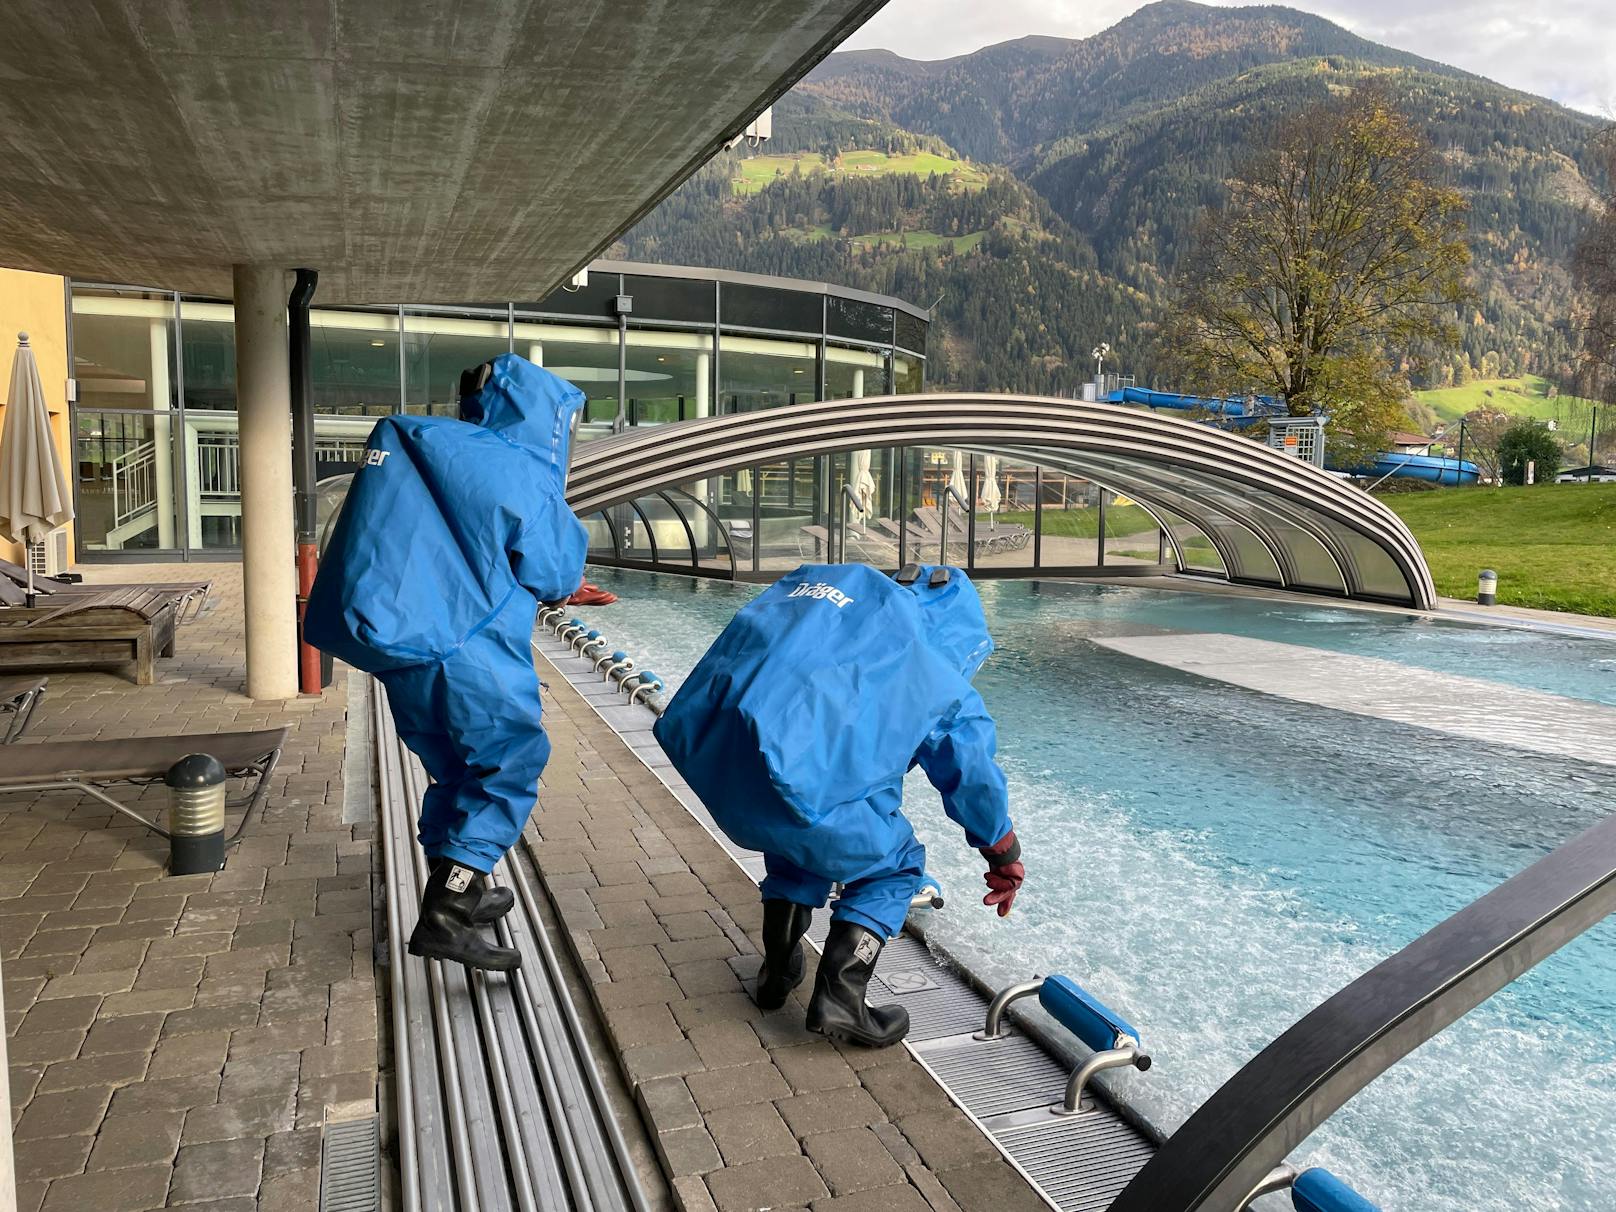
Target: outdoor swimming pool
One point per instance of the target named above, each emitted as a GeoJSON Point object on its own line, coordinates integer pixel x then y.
{"type": "Point", "coordinates": [1214, 862]}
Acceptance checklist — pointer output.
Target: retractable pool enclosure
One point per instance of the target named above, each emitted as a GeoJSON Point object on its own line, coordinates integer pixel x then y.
{"type": "Point", "coordinates": [1002, 484]}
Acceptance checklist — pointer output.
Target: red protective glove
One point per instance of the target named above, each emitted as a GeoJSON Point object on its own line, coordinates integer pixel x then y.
{"type": "Point", "coordinates": [1005, 872]}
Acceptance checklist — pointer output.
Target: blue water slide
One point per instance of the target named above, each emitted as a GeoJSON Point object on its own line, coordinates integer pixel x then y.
{"type": "Point", "coordinates": [1434, 468]}
{"type": "Point", "coordinates": [1232, 406]}
{"type": "Point", "coordinates": [1387, 465]}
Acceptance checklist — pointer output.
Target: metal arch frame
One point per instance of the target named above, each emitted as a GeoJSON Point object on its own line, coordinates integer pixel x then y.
{"type": "Point", "coordinates": [723, 531]}
{"type": "Point", "coordinates": [1169, 498]}
{"type": "Point", "coordinates": [631, 464]}
{"type": "Point", "coordinates": [1345, 569]}
{"type": "Point", "coordinates": [690, 533]}
{"type": "Point", "coordinates": [1293, 1085]}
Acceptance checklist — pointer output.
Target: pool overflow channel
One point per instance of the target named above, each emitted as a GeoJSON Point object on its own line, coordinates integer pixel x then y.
{"type": "Point", "coordinates": [1024, 1084]}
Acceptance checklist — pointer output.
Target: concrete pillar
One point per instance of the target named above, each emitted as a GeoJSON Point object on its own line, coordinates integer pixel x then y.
{"type": "Point", "coordinates": [858, 383]}
{"type": "Point", "coordinates": [162, 434]}
{"type": "Point", "coordinates": [535, 353]}
{"type": "Point", "coordinates": [264, 406]}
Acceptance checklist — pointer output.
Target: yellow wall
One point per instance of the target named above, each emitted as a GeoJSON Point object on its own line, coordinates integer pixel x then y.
{"type": "Point", "coordinates": [37, 305]}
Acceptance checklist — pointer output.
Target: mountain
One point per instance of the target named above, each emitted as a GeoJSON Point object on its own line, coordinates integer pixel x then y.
{"type": "Point", "coordinates": [1044, 188]}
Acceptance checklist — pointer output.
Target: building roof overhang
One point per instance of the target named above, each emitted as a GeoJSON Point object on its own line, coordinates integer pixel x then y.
{"type": "Point", "coordinates": [407, 152]}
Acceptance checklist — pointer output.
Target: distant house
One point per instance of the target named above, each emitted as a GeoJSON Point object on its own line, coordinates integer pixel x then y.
{"type": "Point", "coordinates": [1599, 473]}
{"type": "Point", "coordinates": [1411, 443]}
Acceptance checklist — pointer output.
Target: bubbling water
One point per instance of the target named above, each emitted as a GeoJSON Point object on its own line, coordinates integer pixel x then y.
{"type": "Point", "coordinates": [1214, 863]}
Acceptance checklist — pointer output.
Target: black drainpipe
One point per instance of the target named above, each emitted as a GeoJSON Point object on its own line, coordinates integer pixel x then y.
{"type": "Point", "coordinates": [305, 509]}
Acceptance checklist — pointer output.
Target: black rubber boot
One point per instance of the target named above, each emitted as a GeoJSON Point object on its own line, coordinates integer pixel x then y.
{"type": "Point", "coordinates": [448, 931]}
{"type": "Point", "coordinates": [492, 903]}
{"type": "Point", "coordinates": [838, 1008]}
{"type": "Point", "coordinates": [784, 924]}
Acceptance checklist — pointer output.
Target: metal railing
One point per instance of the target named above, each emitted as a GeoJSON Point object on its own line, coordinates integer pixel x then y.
{"type": "Point", "coordinates": [134, 483]}
{"type": "Point", "coordinates": [1229, 1147]}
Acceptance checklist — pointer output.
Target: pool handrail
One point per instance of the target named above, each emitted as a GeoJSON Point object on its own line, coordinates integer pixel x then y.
{"type": "Point", "coordinates": [1249, 1125]}
{"type": "Point", "coordinates": [1114, 1042]}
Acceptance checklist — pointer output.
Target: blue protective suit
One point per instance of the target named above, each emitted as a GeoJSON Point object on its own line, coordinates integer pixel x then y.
{"type": "Point", "coordinates": [452, 533]}
{"type": "Point", "coordinates": [798, 725]}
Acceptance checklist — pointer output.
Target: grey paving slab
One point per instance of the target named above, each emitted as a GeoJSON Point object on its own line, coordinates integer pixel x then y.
{"type": "Point", "coordinates": [166, 993]}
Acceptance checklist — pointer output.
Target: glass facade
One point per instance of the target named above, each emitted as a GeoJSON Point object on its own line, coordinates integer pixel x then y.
{"type": "Point", "coordinates": [158, 459]}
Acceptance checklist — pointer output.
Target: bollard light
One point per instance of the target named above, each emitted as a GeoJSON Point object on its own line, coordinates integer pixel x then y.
{"type": "Point", "coordinates": [1487, 588]}
{"type": "Point", "coordinates": [196, 794]}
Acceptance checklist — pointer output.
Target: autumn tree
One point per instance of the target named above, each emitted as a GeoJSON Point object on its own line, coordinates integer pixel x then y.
{"type": "Point", "coordinates": [1336, 260]}
{"type": "Point", "coordinates": [1594, 268]}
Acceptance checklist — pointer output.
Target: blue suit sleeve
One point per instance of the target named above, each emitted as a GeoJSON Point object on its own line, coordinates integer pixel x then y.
{"type": "Point", "coordinates": [958, 760]}
{"type": "Point", "coordinates": [547, 555]}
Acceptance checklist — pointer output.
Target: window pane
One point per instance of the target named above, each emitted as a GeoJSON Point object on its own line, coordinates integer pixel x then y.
{"type": "Point", "coordinates": [1197, 549]}
{"type": "Point", "coordinates": [1071, 521]}
{"type": "Point", "coordinates": [585, 357]}
{"type": "Point", "coordinates": [911, 332]}
{"type": "Point", "coordinates": [867, 533]}
{"type": "Point", "coordinates": [857, 319]}
{"type": "Point", "coordinates": [124, 463]}
{"type": "Point", "coordinates": [1131, 533]}
{"type": "Point", "coordinates": [761, 373]}
{"type": "Point", "coordinates": [208, 351]}
{"type": "Point", "coordinates": [1004, 513]}
{"type": "Point", "coordinates": [854, 373]}
{"type": "Point", "coordinates": [669, 377]}
{"type": "Point", "coordinates": [744, 306]}
{"type": "Point", "coordinates": [354, 362]}
{"type": "Point", "coordinates": [437, 348]}
{"type": "Point", "coordinates": [123, 349]}
{"type": "Point", "coordinates": [910, 374]}
{"type": "Point", "coordinates": [671, 298]}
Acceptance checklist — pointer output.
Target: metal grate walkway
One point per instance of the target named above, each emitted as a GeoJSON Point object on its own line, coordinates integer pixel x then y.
{"type": "Point", "coordinates": [501, 1106]}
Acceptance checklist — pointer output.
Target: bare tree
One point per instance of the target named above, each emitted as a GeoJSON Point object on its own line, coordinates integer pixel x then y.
{"type": "Point", "coordinates": [1594, 269]}
{"type": "Point", "coordinates": [1337, 256]}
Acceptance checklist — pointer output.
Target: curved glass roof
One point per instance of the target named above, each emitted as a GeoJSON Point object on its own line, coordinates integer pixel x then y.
{"type": "Point", "coordinates": [1267, 518]}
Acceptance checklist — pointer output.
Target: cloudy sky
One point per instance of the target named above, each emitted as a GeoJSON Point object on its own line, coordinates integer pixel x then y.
{"type": "Point", "coordinates": [1565, 49]}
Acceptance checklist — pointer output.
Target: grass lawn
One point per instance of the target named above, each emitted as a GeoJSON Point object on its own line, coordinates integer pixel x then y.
{"type": "Point", "coordinates": [1524, 397]}
{"type": "Point", "coordinates": [1552, 545]}
{"type": "Point", "coordinates": [758, 171]}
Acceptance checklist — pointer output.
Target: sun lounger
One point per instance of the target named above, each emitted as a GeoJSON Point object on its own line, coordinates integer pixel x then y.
{"type": "Point", "coordinates": [93, 766]}
{"type": "Point", "coordinates": [90, 632]}
{"type": "Point", "coordinates": [990, 537]}
{"type": "Point", "coordinates": [18, 698]}
{"type": "Point", "coordinates": [189, 596]}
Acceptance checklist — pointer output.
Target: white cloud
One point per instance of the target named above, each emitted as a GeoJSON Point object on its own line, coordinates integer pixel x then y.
{"type": "Point", "coordinates": [1565, 49]}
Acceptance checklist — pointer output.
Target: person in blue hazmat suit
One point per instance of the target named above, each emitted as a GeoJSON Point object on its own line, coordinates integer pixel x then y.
{"type": "Point", "coordinates": [452, 534]}
{"type": "Point", "coordinates": [796, 730]}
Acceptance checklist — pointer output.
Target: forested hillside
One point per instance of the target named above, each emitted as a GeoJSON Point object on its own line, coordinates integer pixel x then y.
{"type": "Point", "coordinates": [1075, 172]}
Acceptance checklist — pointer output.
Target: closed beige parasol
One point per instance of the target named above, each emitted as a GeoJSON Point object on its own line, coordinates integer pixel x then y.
{"type": "Point", "coordinates": [34, 496]}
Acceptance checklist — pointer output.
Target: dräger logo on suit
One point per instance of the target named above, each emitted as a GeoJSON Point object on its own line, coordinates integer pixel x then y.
{"type": "Point", "coordinates": [375, 458]}
{"type": "Point", "coordinates": [819, 589]}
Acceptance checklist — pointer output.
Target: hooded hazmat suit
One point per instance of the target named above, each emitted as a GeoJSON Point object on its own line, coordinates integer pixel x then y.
{"type": "Point", "coordinates": [452, 533]}
{"type": "Point", "coordinates": [798, 725]}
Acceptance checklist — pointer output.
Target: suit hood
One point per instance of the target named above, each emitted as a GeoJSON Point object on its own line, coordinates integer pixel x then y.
{"type": "Point", "coordinates": [529, 406]}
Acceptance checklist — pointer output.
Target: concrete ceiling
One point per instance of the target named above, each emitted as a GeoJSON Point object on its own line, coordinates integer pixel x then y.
{"type": "Point", "coordinates": [409, 150]}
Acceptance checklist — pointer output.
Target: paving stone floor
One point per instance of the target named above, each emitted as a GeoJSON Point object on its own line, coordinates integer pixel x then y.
{"type": "Point", "coordinates": [180, 1041]}
{"type": "Point", "coordinates": [747, 1109]}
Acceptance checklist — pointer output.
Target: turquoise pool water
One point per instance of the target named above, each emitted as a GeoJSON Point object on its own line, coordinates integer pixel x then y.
{"type": "Point", "coordinates": [1214, 862]}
